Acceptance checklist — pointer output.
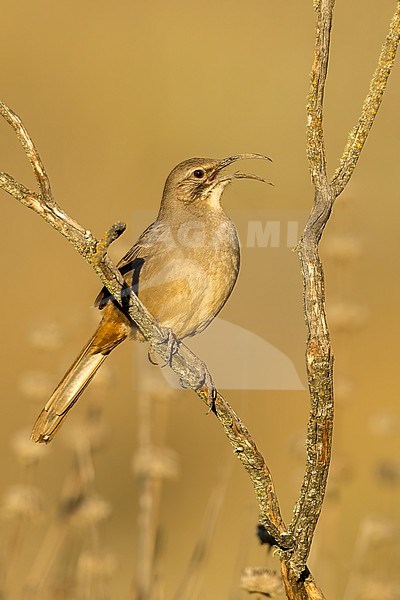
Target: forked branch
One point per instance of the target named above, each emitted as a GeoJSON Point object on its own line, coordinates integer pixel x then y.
{"type": "Point", "coordinates": [319, 359]}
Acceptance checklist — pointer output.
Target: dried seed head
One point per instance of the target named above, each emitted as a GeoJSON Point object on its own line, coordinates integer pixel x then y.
{"type": "Point", "coordinates": [96, 564]}
{"type": "Point", "coordinates": [371, 589]}
{"type": "Point", "coordinates": [344, 388]}
{"type": "Point", "coordinates": [72, 495]}
{"type": "Point", "coordinates": [27, 452]}
{"type": "Point", "coordinates": [346, 317]}
{"type": "Point", "coordinates": [160, 463]}
{"type": "Point", "coordinates": [377, 529]}
{"type": "Point", "coordinates": [154, 384]}
{"type": "Point", "coordinates": [22, 501]}
{"type": "Point", "coordinates": [384, 423]}
{"type": "Point", "coordinates": [388, 472]}
{"type": "Point", "coordinates": [91, 510]}
{"type": "Point", "coordinates": [343, 248]}
{"type": "Point", "coordinates": [36, 385]}
{"type": "Point", "coordinates": [46, 336]}
{"type": "Point", "coordinates": [262, 581]}
{"type": "Point", "coordinates": [87, 434]}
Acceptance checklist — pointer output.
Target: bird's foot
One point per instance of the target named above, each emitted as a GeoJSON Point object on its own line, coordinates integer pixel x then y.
{"type": "Point", "coordinates": [172, 348]}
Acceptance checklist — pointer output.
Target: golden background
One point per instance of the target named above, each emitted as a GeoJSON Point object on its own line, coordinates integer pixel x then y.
{"type": "Point", "coordinates": [114, 95]}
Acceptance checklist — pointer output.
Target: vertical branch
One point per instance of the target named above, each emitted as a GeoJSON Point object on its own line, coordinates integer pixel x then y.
{"type": "Point", "coordinates": [319, 360]}
{"type": "Point", "coordinates": [315, 133]}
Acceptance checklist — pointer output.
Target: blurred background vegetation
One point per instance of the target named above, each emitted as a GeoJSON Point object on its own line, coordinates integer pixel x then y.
{"type": "Point", "coordinates": [114, 95]}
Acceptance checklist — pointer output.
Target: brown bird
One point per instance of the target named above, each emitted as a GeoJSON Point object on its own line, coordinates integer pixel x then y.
{"type": "Point", "coordinates": [183, 268]}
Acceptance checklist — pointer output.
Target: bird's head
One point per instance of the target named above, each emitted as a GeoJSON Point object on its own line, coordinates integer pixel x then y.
{"type": "Point", "coordinates": [199, 182]}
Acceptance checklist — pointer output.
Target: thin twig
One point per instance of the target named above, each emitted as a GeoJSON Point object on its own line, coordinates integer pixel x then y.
{"type": "Point", "coordinates": [30, 151]}
{"type": "Point", "coordinates": [372, 102]}
{"type": "Point", "coordinates": [151, 473]}
{"type": "Point", "coordinates": [189, 588]}
{"type": "Point", "coordinates": [191, 371]}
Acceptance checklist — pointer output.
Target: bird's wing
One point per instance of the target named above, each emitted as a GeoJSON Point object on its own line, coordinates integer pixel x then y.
{"type": "Point", "coordinates": [131, 264]}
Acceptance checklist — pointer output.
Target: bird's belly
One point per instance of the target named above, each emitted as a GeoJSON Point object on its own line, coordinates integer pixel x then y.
{"type": "Point", "coordinates": [185, 296]}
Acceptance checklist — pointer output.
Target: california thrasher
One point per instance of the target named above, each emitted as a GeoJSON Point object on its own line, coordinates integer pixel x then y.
{"type": "Point", "coordinates": [183, 268]}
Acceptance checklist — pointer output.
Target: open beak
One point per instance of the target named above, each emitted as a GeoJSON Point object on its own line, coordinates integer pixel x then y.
{"type": "Point", "coordinates": [237, 175]}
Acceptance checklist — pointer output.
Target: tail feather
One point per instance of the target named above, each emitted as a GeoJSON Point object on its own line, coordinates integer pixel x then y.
{"type": "Point", "coordinates": [67, 393]}
{"type": "Point", "coordinates": [112, 330]}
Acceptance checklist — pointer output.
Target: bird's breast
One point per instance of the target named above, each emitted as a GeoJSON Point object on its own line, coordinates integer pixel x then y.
{"type": "Point", "coordinates": [185, 281]}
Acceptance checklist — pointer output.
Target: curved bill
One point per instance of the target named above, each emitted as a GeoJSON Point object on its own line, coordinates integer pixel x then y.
{"type": "Point", "coordinates": [238, 175]}
{"type": "Point", "coordinates": [231, 159]}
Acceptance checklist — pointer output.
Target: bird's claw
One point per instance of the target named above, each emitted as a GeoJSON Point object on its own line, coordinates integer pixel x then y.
{"type": "Point", "coordinates": [172, 348]}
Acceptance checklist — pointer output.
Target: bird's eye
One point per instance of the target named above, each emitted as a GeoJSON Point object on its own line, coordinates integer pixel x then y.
{"type": "Point", "coordinates": [199, 173]}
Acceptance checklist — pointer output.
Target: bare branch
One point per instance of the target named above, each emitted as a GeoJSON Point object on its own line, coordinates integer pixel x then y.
{"type": "Point", "coordinates": [359, 134]}
{"type": "Point", "coordinates": [319, 359]}
{"type": "Point", "coordinates": [30, 151]}
{"type": "Point", "coordinates": [191, 371]}
{"type": "Point", "coordinates": [304, 588]}
{"type": "Point", "coordinates": [315, 133]}
{"type": "Point", "coordinates": [110, 236]}
{"type": "Point", "coordinates": [189, 588]}
{"type": "Point", "coordinates": [78, 236]}
{"type": "Point", "coordinates": [318, 353]}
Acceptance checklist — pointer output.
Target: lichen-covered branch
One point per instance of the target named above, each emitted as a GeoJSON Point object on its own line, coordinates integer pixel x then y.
{"type": "Point", "coordinates": [319, 359]}
{"type": "Point", "coordinates": [372, 102]}
{"type": "Point", "coordinates": [303, 588]}
{"type": "Point", "coordinates": [30, 151]}
{"type": "Point", "coordinates": [315, 132]}
{"type": "Point", "coordinates": [191, 371]}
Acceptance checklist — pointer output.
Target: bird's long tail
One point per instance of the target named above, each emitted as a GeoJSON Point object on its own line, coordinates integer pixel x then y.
{"type": "Point", "coordinates": [107, 336]}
